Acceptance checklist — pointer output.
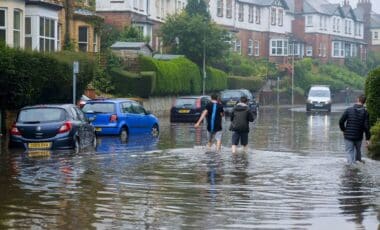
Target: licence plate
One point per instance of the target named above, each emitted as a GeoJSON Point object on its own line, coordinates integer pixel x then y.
{"type": "Point", "coordinates": [39, 145]}
{"type": "Point", "coordinates": [318, 105]}
{"type": "Point", "coordinates": [98, 129]}
{"type": "Point", "coordinates": [184, 111]}
{"type": "Point", "coordinates": [41, 153]}
{"type": "Point", "coordinates": [231, 103]}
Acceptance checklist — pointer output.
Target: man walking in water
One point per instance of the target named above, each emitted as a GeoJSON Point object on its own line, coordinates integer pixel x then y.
{"type": "Point", "coordinates": [214, 113]}
{"type": "Point", "coordinates": [355, 121]}
{"type": "Point", "coordinates": [240, 118]}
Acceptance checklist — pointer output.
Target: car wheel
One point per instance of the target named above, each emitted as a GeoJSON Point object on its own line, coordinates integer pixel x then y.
{"type": "Point", "coordinates": [155, 131]}
{"type": "Point", "coordinates": [124, 135]}
{"type": "Point", "coordinates": [76, 145]}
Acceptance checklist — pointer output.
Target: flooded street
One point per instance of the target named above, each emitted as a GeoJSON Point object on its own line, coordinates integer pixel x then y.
{"type": "Point", "coordinates": [294, 176]}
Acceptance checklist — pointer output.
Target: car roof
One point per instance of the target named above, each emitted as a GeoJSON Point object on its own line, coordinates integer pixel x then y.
{"type": "Point", "coordinates": [64, 106]}
{"type": "Point", "coordinates": [112, 100]}
{"type": "Point", "coordinates": [320, 87]}
{"type": "Point", "coordinates": [193, 97]}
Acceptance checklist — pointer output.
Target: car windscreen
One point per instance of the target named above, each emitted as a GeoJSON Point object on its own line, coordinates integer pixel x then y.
{"type": "Point", "coordinates": [99, 107]}
{"type": "Point", "coordinates": [231, 94]}
{"type": "Point", "coordinates": [41, 115]}
{"type": "Point", "coordinates": [185, 102]}
{"type": "Point", "coordinates": [319, 93]}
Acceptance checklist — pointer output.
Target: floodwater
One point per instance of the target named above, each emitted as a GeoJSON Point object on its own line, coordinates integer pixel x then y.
{"type": "Point", "coordinates": [294, 176]}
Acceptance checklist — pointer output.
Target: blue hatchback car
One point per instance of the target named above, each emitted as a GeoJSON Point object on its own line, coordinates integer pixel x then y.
{"type": "Point", "coordinates": [121, 117]}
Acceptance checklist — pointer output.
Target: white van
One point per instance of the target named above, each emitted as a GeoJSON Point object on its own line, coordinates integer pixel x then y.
{"type": "Point", "coordinates": [319, 98]}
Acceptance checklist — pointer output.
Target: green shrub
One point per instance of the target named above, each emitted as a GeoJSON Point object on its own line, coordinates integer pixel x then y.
{"type": "Point", "coordinates": [372, 86]}
{"type": "Point", "coordinates": [129, 84]}
{"type": "Point", "coordinates": [216, 80]}
{"type": "Point", "coordinates": [251, 83]}
{"type": "Point", "coordinates": [174, 77]}
{"type": "Point", "coordinates": [374, 147]}
{"type": "Point", "coordinates": [31, 77]}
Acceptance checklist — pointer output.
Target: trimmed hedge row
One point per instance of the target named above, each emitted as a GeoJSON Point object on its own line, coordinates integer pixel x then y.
{"type": "Point", "coordinates": [250, 83]}
{"type": "Point", "coordinates": [177, 76]}
{"type": "Point", "coordinates": [374, 147]}
{"type": "Point", "coordinates": [31, 77]}
{"type": "Point", "coordinates": [372, 86]}
{"type": "Point", "coordinates": [131, 84]}
{"type": "Point", "coordinates": [216, 80]}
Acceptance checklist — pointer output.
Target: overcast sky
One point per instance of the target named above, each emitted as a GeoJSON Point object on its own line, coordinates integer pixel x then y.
{"type": "Point", "coordinates": [375, 4]}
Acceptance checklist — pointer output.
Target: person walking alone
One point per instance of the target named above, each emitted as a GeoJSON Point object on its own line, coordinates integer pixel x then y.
{"type": "Point", "coordinates": [240, 118]}
{"type": "Point", "coordinates": [214, 113]}
{"type": "Point", "coordinates": [353, 122]}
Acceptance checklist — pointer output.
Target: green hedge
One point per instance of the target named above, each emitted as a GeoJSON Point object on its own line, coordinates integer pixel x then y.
{"type": "Point", "coordinates": [131, 84]}
{"type": "Point", "coordinates": [372, 91]}
{"type": "Point", "coordinates": [31, 77]}
{"type": "Point", "coordinates": [216, 80]}
{"type": "Point", "coordinates": [374, 147]}
{"type": "Point", "coordinates": [177, 76]}
{"type": "Point", "coordinates": [251, 83]}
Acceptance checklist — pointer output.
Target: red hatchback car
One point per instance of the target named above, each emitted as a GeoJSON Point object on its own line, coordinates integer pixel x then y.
{"type": "Point", "coordinates": [188, 108]}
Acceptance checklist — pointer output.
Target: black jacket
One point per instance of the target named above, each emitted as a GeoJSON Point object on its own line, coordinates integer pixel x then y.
{"type": "Point", "coordinates": [240, 118]}
{"type": "Point", "coordinates": [355, 121]}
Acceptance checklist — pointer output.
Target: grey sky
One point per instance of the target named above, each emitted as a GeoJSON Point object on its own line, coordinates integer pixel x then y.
{"type": "Point", "coordinates": [375, 4]}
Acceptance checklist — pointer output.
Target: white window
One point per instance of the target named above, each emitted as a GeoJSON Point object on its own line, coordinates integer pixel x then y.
{"type": "Point", "coordinates": [162, 10]}
{"type": "Point", "coordinates": [338, 49]}
{"type": "Point", "coordinates": [3, 25]}
{"type": "Point", "coordinates": [354, 50]}
{"type": "Point", "coordinates": [294, 49]}
{"type": "Point", "coordinates": [273, 16]}
{"type": "Point", "coordinates": [280, 17]}
{"type": "Point", "coordinates": [95, 43]}
{"type": "Point", "coordinates": [83, 39]}
{"type": "Point", "coordinates": [258, 15]}
{"type": "Point", "coordinates": [238, 46]}
{"type": "Point", "coordinates": [47, 34]}
{"type": "Point", "coordinates": [322, 50]}
{"type": "Point", "coordinates": [241, 12]}
{"type": "Point", "coordinates": [16, 29]}
{"type": "Point", "coordinates": [334, 24]}
{"type": "Point", "coordinates": [28, 33]}
{"type": "Point", "coordinates": [250, 14]}
{"type": "Point", "coordinates": [229, 9]}
{"type": "Point", "coordinates": [256, 47]}
{"type": "Point", "coordinates": [309, 51]}
{"type": "Point", "coordinates": [338, 25]}
{"type": "Point", "coordinates": [219, 8]}
{"type": "Point", "coordinates": [141, 6]}
{"type": "Point", "coordinates": [135, 4]}
{"type": "Point", "coordinates": [375, 35]}
{"type": "Point", "coordinates": [279, 47]}
{"type": "Point", "coordinates": [59, 45]}
{"type": "Point", "coordinates": [250, 47]}
{"type": "Point", "coordinates": [309, 21]}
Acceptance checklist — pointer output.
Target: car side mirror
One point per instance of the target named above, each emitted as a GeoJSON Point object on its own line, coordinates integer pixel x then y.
{"type": "Point", "coordinates": [148, 112]}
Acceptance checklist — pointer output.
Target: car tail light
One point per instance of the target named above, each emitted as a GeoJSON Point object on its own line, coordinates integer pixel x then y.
{"type": "Point", "coordinates": [113, 118]}
{"type": "Point", "coordinates": [198, 103]}
{"type": "Point", "coordinates": [66, 127]}
{"type": "Point", "coordinates": [15, 131]}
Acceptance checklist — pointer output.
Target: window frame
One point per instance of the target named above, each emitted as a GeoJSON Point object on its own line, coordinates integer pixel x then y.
{"type": "Point", "coordinates": [250, 47]}
{"type": "Point", "coordinates": [280, 17]}
{"type": "Point", "coordinates": [251, 11]}
{"type": "Point", "coordinates": [219, 8]}
{"type": "Point", "coordinates": [46, 37]}
{"type": "Point", "coordinates": [256, 48]}
{"type": "Point", "coordinates": [273, 16]}
{"type": "Point", "coordinates": [257, 15]}
{"type": "Point", "coordinates": [279, 47]}
{"type": "Point", "coordinates": [28, 36]}
{"type": "Point", "coordinates": [240, 12]}
{"type": "Point", "coordinates": [228, 8]}
{"type": "Point", "coordinates": [17, 31]}
{"type": "Point", "coordinates": [82, 42]}
{"type": "Point", "coordinates": [4, 28]}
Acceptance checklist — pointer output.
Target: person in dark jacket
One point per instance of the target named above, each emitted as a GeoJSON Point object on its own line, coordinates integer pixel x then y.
{"type": "Point", "coordinates": [355, 121]}
{"type": "Point", "coordinates": [240, 118]}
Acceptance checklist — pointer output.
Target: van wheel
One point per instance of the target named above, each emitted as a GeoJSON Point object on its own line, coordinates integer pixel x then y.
{"type": "Point", "coordinates": [124, 135]}
{"type": "Point", "coordinates": [155, 130]}
{"type": "Point", "coordinates": [94, 142]}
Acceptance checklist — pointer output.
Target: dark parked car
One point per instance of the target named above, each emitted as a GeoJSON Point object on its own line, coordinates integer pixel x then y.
{"type": "Point", "coordinates": [50, 127]}
{"type": "Point", "coordinates": [188, 108]}
{"type": "Point", "coordinates": [121, 117]}
{"type": "Point", "coordinates": [230, 97]}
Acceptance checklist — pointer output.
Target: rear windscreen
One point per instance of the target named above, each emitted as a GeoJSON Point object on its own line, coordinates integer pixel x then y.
{"type": "Point", "coordinates": [185, 102]}
{"type": "Point", "coordinates": [99, 108]}
{"type": "Point", "coordinates": [41, 115]}
{"type": "Point", "coordinates": [231, 94]}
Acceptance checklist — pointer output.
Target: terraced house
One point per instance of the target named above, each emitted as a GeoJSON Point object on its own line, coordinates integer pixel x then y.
{"type": "Point", "coordinates": [45, 25]}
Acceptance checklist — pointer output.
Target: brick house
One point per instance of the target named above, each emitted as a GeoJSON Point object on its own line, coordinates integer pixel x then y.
{"type": "Point", "coordinates": [375, 32]}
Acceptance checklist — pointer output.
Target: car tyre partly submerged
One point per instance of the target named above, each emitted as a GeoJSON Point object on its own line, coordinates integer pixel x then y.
{"type": "Point", "coordinates": [124, 135]}
{"type": "Point", "coordinates": [155, 131]}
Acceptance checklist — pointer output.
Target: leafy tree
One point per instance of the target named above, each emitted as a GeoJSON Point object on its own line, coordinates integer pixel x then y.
{"type": "Point", "coordinates": [192, 33]}
{"type": "Point", "coordinates": [131, 34]}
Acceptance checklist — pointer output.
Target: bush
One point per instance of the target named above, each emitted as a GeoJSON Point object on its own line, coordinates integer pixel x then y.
{"type": "Point", "coordinates": [32, 78]}
{"type": "Point", "coordinates": [251, 83]}
{"type": "Point", "coordinates": [131, 84]}
{"type": "Point", "coordinates": [372, 86]}
{"type": "Point", "coordinates": [177, 76]}
{"type": "Point", "coordinates": [216, 80]}
{"type": "Point", "coordinates": [374, 147]}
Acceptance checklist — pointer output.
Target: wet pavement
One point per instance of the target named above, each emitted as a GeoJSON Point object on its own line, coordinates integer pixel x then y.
{"type": "Point", "coordinates": [294, 176]}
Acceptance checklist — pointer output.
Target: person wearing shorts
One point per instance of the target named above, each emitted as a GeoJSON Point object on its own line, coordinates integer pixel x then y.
{"type": "Point", "coordinates": [213, 113]}
{"type": "Point", "coordinates": [240, 118]}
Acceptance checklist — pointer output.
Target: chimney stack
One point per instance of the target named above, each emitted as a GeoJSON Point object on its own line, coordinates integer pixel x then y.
{"type": "Point", "coordinates": [298, 6]}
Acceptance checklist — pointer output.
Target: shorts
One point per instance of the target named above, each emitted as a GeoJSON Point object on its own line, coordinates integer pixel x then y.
{"type": "Point", "coordinates": [217, 136]}
{"type": "Point", "coordinates": [242, 137]}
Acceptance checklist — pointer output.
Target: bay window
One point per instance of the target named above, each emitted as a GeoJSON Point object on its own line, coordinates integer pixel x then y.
{"type": "Point", "coordinates": [279, 47]}
{"type": "Point", "coordinates": [3, 25]}
{"type": "Point", "coordinates": [16, 29]}
{"type": "Point", "coordinates": [47, 34]}
{"type": "Point", "coordinates": [28, 33]}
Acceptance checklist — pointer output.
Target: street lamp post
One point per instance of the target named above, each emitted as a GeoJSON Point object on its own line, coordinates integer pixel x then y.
{"type": "Point", "coordinates": [293, 72]}
{"type": "Point", "coordinates": [204, 65]}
